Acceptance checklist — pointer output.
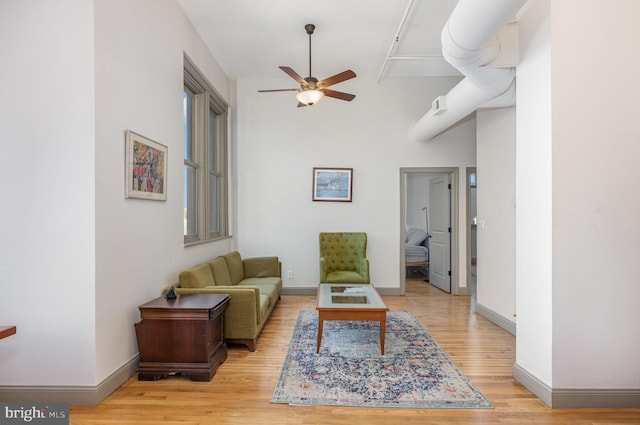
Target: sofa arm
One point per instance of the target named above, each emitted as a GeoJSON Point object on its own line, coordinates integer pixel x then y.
{"type": "Point", "coordinates": [243, 310]}
{"type": "Point", "coordinates": [262, 267]}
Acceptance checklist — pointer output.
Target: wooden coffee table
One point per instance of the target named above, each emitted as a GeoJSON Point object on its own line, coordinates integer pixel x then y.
{"type": "Point", "coordinates": [347, 301]}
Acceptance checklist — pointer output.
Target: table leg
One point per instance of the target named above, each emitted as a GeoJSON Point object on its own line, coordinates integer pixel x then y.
{"type": "Point", "coordinates": [383, 330]}
{"type": "Point", "coordinates": [320, 326]}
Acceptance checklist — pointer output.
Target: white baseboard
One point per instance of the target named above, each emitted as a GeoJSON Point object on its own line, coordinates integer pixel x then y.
{"type": "Point", "coordinates": [71, 394]}
{"type": "Point", "coordinates": [596, 397]}
{"type": "Point", "coordinates": [575, 398]}
{"type": "Point", "coordinates": [494, 317]}
{"type": "Point", "coordinates": [314, 291]}
{"type": "Point", "coordinates": [533, 384]}
{"type": "Point", "coordinates": [299, 291]}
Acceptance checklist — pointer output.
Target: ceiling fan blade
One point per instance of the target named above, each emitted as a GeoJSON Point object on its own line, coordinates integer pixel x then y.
{"type": "Point", "coordinates": [339, 95]}
{"type": "Point", "coordinates": [338, 78]}
{"type": "Point", "coordinates": [291, 73]}
{"type": "Point", "coordinates": [266, 91]}
{"type": "Point", "coordinates": [300, 105]}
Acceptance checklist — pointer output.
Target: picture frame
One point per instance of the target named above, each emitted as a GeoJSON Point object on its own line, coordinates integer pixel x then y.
{"type": "Point", "coordinates": [332, 184]}
{"type": "Point", "coordinates": [146, 168]}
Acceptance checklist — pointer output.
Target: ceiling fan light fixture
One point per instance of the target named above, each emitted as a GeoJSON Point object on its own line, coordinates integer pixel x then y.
{"type": "Point", "coordinates": [310, 97]}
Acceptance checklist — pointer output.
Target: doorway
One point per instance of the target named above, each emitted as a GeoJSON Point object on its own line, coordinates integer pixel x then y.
{"type": "Point", "coordinates": [439, 223]}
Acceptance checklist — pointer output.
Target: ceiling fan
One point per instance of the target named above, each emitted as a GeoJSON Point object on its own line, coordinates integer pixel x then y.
{"type": "Point", "coordinates": [311, 90]}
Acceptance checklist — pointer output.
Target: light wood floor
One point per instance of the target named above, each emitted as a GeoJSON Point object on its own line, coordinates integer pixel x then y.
{"type": "Point", "coordinates": [240, 391]}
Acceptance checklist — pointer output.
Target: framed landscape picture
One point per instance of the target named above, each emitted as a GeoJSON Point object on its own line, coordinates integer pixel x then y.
{"type": "Point", "coordinates": [332, 184]}
{"type": "Point", "coordinates": [146, 168]}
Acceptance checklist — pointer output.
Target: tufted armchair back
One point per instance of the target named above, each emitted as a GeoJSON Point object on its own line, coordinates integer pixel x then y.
{"type": "Point", "coordinates": [343, 258]}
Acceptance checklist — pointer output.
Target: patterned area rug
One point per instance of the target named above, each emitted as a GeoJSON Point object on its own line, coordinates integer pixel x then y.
{"type": "Point", "coordinates": [350, 371]}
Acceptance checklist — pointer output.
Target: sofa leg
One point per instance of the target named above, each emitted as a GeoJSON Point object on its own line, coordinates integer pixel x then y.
{"type": "Point", "coordinates": [249, 343]}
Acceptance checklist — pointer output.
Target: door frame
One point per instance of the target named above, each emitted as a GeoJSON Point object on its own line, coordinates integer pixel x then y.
{"type": "Point", "coordinates": [455, 223]}
{"type": "Point", "coordinates": [470, 170]}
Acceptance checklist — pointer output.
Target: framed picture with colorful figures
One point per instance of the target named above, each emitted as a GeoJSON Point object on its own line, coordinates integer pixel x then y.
{"type": "Point", "coordinates": [146, 168]}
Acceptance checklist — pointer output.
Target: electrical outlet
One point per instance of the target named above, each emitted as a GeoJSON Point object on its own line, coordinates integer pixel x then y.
{"type": "Point", "coordinates": [290, 274]}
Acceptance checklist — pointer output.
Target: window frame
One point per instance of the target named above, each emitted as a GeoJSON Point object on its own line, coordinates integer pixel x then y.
{"type": "Point", "coordinates": [206, 101]}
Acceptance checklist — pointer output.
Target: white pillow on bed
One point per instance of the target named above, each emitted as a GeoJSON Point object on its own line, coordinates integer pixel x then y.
{"type": "Point", "coordinates": [415, 237]}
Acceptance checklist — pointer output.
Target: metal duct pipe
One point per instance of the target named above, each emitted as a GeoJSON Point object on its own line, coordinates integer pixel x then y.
{"type": "Point", "coordinates": [469, 42]}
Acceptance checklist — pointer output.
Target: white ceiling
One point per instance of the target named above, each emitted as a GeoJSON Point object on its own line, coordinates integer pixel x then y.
{"type": "Point", "coordinates": [251, 38]}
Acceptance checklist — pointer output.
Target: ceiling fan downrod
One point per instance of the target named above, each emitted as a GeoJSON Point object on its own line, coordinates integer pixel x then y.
{"type": "Point", "coordinates": [310, 28]}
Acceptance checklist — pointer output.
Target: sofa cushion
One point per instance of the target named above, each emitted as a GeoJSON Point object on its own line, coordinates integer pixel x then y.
{"type": "Point", "coordinates": [220, 271]}
{"type": "Point", "coordinates": [261, 267]}
{"type": "Point", "coordinates": [256, 281]}
{"type": "Point", "coordinates": [234, 264]}
{"type": "Point", "coordinates": [264, 306]}
{"type": "Point", "coordinates": [198, 276]}
{"type": "Point", "coordinates": [269, 286]}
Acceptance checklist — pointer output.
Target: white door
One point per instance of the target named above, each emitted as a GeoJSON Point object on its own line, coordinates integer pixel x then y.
{"type": "Point", "coordinates": [440, 233]}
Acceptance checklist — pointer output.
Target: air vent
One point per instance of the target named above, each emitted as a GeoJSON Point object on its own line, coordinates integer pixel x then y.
{"type": "Point", "coordinates": [439, 105]}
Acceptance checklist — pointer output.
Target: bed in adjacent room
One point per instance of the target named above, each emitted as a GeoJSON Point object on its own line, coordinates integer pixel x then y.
{"type": "Point", "coordinates": [416, 251]}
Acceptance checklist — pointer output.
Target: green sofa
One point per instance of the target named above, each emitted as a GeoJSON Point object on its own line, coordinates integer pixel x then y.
{"type": "Point", "coordinates": [254, 285]}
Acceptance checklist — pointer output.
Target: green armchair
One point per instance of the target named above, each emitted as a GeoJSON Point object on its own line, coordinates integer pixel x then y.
{"type": "Point", "coordinates": [343, 258]}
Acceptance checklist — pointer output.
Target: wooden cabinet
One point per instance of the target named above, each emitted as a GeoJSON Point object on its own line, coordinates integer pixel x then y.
{"type": "Point", "coordinates": [182, 336]}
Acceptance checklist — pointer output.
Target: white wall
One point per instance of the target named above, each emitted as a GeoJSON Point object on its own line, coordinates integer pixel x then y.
{"type": "Point", "coordinates": [139, 83]}
{"type": "Point", "coordinates": [77, 257]}
{"type": "Point", "coordinates": [496, 207]}
{"type": "Point", "coordinates": [417, 189]}
{"type": "Point", "coordinates": [596, 231]}
{"type": "Point", "coordinates": [47, 254]}
{"type": "Point", "coordinates": [279, 144]}
{"type": "Point", "coordinates": [577, 233]}
{"type": "Point", "coordinates": [533, 195]}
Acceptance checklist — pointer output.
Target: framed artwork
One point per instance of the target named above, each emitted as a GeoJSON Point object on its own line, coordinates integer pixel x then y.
{"type": "Point", "coordinates": [146, 168]}
{"type": "Point", "coordinates": [332, 184]}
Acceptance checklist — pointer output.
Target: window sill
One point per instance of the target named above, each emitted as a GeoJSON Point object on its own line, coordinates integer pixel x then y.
{"type": "Point", "coordinates": [203, 241]}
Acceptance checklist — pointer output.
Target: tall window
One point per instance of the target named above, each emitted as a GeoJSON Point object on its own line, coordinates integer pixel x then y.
{"type": "Point", "coordinates": [205, 159]}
